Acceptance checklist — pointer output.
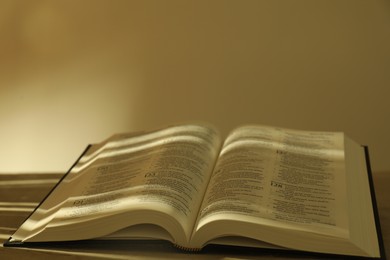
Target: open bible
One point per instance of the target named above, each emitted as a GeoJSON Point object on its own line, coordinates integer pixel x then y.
{"type": "Point", "coordinates": [260, 187]}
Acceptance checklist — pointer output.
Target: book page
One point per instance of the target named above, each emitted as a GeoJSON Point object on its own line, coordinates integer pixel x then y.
{"type": "Point", "coordinates": [274, 176]}
{"type": "Point", "coordinates": [362, 218]}
{"type": "Point", "coordinates": [165, 171]}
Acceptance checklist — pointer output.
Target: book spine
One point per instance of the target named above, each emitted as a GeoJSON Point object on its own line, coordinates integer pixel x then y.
{"type": "Point", "coordinates": [187, 249]}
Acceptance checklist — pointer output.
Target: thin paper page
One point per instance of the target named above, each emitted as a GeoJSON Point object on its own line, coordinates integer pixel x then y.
{"type": "Point", "coordinates": [293, 177]}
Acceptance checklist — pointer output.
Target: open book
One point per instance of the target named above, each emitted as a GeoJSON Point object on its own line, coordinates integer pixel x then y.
{"type": "Point", "coordinates": [260, 187]}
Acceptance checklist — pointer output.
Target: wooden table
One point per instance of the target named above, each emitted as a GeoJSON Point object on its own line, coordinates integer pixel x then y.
{"type": "Point", "coordinates": [20, 194]}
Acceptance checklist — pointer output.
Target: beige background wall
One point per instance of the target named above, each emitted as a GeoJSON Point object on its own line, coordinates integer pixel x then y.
{"type": "Point", "coordinates": [75, 72]}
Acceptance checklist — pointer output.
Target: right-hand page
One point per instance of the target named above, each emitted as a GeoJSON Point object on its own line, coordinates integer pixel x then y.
{"type": "Point", "coordinates": [275, 176]}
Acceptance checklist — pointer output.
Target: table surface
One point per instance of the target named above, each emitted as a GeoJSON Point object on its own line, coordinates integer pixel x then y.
{"type": "Point", "coordinates": [21, 193]}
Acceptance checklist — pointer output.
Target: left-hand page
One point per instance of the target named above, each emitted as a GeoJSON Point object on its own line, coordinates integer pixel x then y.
{"type": "Point", "coordinates": [163, 173]}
